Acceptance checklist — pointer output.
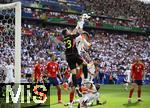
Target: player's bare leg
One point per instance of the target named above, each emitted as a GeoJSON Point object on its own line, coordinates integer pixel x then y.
{"type": "Point", "coordinates": [131, 92]}
{"type": "Point", "coordinates": [139, 93]}
{"type": "Point", "coordinates": [72, 93]}
{"type": "Point", "coordinates": [59, 94]}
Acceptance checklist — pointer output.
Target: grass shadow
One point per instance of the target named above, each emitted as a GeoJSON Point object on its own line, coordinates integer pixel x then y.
{"type": "Point", "coordinates": [103, 103]}
{"type": "Point", "coordinates": [131, 104]}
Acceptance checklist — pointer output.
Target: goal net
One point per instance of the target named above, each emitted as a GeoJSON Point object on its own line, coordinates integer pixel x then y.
{"type": "Point", "coordinates": [10, 40]}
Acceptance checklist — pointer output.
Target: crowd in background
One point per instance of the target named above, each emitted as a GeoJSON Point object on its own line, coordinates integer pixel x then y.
{"type": "Point", "coordinates": [115, 51]}
{"type": "Point", "coordinates": [134, 10]}
{"type": "Point", "coordinates": [131, 9]}
{"type": "Point", "coordinates": [73, 18]}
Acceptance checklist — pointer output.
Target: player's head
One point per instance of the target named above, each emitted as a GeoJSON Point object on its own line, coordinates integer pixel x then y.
{"type": "Point", "coordinates": [86, 35]}
{"type": "Point", "coordinates": [88, 83]}
{"type": "Point", "coordinates": [137, 58]}
{"type": "Point", "coordinates": [53, 57]}
{"type": "Point", "coordinates": [96, 60]}
{"type": "Point", "coordinates": [65, 32]}
{"type": "Point", "coordinates": [40, 60]}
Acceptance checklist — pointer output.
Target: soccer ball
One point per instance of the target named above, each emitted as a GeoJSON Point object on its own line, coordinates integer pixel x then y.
{"type": "Point", "coordinates": [85, 16]}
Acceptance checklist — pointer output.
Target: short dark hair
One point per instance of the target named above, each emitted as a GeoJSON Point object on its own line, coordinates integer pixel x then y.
{"type": "Point", "coordinates": [64, 32]}
{"type": "Point", "coordinates": [85, 33]}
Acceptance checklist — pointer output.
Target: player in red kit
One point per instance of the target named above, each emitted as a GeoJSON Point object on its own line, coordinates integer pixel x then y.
{"type": "Point", "coordinates": [37, 75]}
{"type": "Point", "coordinates": [37, 72]}
{"type": "Point", "coordinates": [52, 72]}
{"type": "Point", "coordinates": [137, 73]}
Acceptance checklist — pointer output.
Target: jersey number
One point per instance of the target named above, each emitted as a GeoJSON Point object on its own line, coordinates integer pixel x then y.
{"type": "Point", "coordinates": [68, 43]}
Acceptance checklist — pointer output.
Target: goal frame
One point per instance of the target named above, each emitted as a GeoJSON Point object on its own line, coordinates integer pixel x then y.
{"type": "Point", "coordinates": [17, 7]}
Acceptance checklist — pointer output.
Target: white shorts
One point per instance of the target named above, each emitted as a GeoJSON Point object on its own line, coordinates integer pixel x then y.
{"type": "Point", "coordinates": [91, 69]}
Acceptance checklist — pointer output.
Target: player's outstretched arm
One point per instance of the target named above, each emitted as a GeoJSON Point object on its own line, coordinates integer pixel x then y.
{"type": "Point", "coordinates": [80, 23]}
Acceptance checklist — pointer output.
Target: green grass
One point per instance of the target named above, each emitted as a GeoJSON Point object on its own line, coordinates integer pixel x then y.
{"type": "Point", "coordinates": [115, 95]}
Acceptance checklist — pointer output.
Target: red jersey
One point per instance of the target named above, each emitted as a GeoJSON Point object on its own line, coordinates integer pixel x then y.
{"type": "Point", "coordinates": [137, 71]}
{"type": "Point", "coordinates": [52, 69]}
{"type": "Point", "coordinates": [79, 74]}
{"type": "Point", "coordinates": [37, 71]}
{"type": "Point", "coordinates": [67, 73]}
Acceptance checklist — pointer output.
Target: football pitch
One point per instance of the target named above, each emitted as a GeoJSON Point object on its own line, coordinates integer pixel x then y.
{"type": "Point", "coordinates": [115, 95]}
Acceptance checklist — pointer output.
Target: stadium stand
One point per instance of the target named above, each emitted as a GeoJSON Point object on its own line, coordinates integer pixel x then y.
{"type": "Point", "coordinates": [115, 51]}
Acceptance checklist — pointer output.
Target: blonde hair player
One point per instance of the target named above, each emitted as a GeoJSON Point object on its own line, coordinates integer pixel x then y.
{"type": "Point", "coordinates": [90, 95]}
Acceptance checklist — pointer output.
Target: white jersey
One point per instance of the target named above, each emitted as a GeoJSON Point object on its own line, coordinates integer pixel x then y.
{"type": "Point", "coordinates": [89, 97]}
{"type": "Point", "coordinates": [80, 24]}
{"type": "Point", "coordinates": [128, 75]}
{"type": "Point", "coordinates": [9, 69]}
{"type": "Point", "coordinates": [81, 44]}
{"type": "Point", "coordinates": [9, 73]}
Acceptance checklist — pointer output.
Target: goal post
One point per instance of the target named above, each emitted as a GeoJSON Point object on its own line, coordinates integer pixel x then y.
{"type": "Point", "coordinates": [17, 42]}
{"type": "Point", "coordinates": [10, 24]}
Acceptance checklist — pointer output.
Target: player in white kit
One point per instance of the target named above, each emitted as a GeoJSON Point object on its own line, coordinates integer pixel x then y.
{"type": "Point", "coordinates": [90, 95]}
{"type": "Point", "coordinates": [82, 45]}
{"type": "Point", "coordinates": [127, 78]}
{"type": "Point", "coordinates": [9, 71]}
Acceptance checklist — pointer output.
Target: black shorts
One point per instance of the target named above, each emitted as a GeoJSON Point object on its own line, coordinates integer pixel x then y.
{"type": "Point", "coordinates": [73, 59]}
{"type": "Point", "coordinates": [138, 82]}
